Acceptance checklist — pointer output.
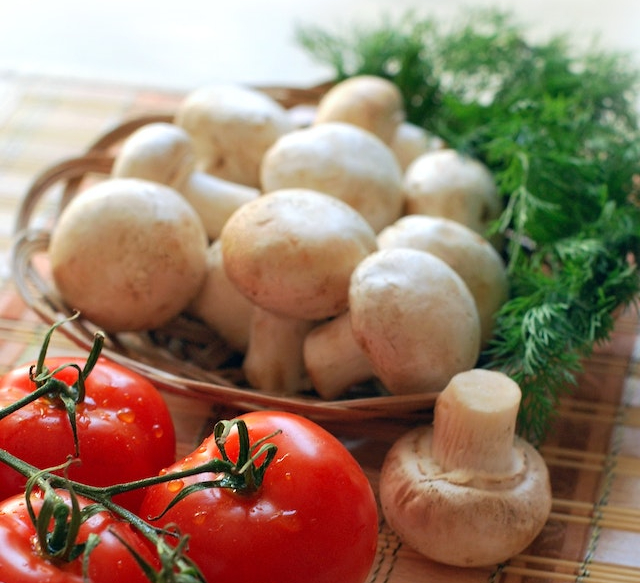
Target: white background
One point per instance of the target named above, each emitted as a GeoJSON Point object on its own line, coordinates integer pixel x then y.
{"type": "Point", "coordinates": [186, 43]}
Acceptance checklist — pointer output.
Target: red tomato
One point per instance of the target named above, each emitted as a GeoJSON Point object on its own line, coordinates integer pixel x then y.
{"type": "Point", "coordinates": [22, 562]}
{"type": "Point", "coordinates": [125, 430]}
{"type": "Point", "coordinates": [314, 518]}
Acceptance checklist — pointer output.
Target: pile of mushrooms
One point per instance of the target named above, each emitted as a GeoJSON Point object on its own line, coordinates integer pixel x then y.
{"type": "Point", "coordinates": [316, 259]}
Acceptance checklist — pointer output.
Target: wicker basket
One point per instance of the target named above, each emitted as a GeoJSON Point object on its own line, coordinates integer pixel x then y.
{"type": "Point", "coordinates": [184, 357]}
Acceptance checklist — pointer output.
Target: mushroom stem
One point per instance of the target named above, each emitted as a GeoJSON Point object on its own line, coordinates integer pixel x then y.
{"type": "Point", "coordinates": [474, 423]}
{"type": "Point", "coordinates": [215, 199]}
{"type": "Point", "coordinates": [273, 362]}
{"type": "Point", "coordinates": [334, 360]}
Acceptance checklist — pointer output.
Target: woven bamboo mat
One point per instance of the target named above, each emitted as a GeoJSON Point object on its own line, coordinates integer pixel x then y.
{"type": "Point", "coordinates": [593, 454]}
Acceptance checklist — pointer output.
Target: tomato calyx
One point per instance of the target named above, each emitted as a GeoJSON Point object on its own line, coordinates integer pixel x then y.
{"type": "Point", "coordinates": [58, 523]}
{"type": "Point", "coordinates": [54, 390]}
{"type": "Point", "coordinates": [243, 476]}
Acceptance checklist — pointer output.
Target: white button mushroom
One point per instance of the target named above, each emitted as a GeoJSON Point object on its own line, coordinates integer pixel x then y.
{"type": "Point", "coordinates": [415, 318]}
{"type": "Point", "coordinates": [342, 160]}
{"type": "Point", "coordinates": [471, 256]}
{"type": "Point", "coordinates": [367, 101]}
{"type": "Point", "coordinates": [163, 152]}
{"type": "Point", "coordinates": [445, 183]}
{"type": "Point", "coordinates": [467, 491]}
{"type": "Point", "coordinates": [232, 127]}
{"type": "Point", "coordinates": [291, 252]}
{"type": "Point", "coordinates": [220, 305]}
{"type": "Point", "coordinates": [129, 254]}
{"type": "Point", "coordinates": [411, 141]}
{"type": "Point", "coordinates": [333, 359]}
{"type": "Point", "coordinates": [412, 322]}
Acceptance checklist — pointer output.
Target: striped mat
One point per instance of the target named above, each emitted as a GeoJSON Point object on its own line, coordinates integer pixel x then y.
{"type": "Point", "coordinates": [593, 454]}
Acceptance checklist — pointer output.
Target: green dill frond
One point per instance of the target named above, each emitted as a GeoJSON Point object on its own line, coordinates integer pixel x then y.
{"type": "Point", "coordinates": [559, 129]}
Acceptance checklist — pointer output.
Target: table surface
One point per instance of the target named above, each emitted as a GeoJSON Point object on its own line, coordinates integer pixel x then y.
{"type": "Point", "coordinates": [593, 454]}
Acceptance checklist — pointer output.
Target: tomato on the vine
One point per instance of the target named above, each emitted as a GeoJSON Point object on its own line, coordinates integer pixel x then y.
{"type": "Point", "coordinates": [124, 428]}
{"type": "Point", "coordinates": [313, 518]}
{"type": "Point", "coordinates": [23, 561]}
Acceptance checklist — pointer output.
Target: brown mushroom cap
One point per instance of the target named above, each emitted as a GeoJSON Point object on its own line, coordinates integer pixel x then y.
{"type": "Point", "coordinates": [292, 252]}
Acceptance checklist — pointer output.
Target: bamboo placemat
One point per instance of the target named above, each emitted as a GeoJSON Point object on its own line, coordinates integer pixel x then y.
{"type": "Point", "coordinates": [593, 454]}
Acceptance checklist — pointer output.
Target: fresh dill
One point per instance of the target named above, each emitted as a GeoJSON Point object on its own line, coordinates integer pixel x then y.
{"type": "Point", "coordinates": [559, 129]}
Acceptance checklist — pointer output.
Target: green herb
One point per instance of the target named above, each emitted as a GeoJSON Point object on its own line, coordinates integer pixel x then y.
{"type": "Point", "coordinates": [558, 127]}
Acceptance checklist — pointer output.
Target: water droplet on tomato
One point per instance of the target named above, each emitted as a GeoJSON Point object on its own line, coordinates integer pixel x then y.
{"type": "Point", "coordinates": [175, 485]}
{"type": "Point", "coordinates": [126, 415]}
{"type": "Point", "coordinates": [199, 517]}
{"type": "Point", "coordinates": [157, 431]}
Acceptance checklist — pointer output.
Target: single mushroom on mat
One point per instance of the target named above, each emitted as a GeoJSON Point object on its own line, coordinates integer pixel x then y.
{"type": "Point", "coordinates": [164, 153]}
{"type": "Point", "coordinates": [291, 252]}
{"type": "Point", "coordinates": [412, 322]}
{"type": "Point", "coordinates": [467, 491]}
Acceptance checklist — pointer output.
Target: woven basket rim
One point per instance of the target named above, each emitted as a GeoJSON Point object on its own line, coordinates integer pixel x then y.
{"type": "Point", "coordinates": [29, 255]}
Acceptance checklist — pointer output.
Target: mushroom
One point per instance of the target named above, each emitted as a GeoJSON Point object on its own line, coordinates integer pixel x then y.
{"type": "Point", "coordinates": [445, 183]}
{"type": "Point", "coordinates": [342, 160]}
{"type": "Point", "coordinates": [302, 115]}
{"type": "Point", "coordinates": [411, 317]}
{"type": "Point", "coordinates": [163, 152]}
{"type": "Point", "coordinates": [220, 305]}
{"type": "Point", "coordinates": [411, 141]}
{"type": "Point", "coordinates": [467, 491]}
{"type": "Point", "coordinates": [367, 101]}
{"type": "Point", "coordinates": [471, 256]}
{"type": "Point", "coordinates": [129, 254]}
{"type": "Point", "coordinates": [291, 252]}
{"type": "Point", "coordinates": [333, 359]}
{"type": "Point", "coordinates": [232, 127]}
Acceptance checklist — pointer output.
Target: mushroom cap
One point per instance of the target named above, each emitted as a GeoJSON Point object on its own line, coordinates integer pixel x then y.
{"type": "Point", "coordinates": [292, 252]}
{"type": "Point", "coordinates": [129, 254]}
{"type": "Point", "coordinates": [480, 523]}
{"type": "Point", "coordinates": [342, 160]}
{"type": "Point", "coordinates": [367, 101]}
{"type": "Point", "coordinates": [161, 152]}
{"type": "Point", "coordinates": [232, 127]}
{"type": "Point", "coordinates": [448, 184]}
{"type": "Point", "coordinates": [470, 255]}
{"type": "Point", "coordinates": [411, 141]}
{"type": "Point", "coordinates": [415, 318]}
